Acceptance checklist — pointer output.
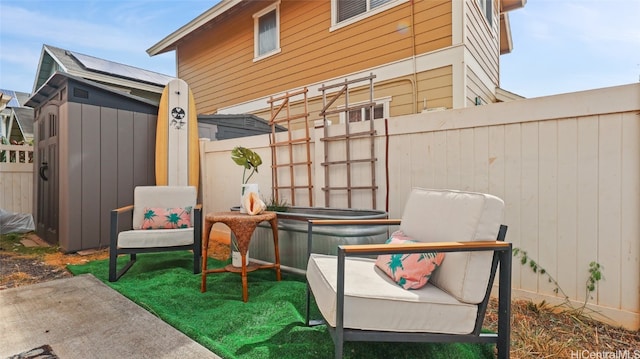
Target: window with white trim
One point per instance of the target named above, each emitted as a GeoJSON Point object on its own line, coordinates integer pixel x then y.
{"type": "Point", "coordinates": [486, 7]}
{"type": "Point", "coordinates": [348, 11]}
{"type": "Point", "coordinates": [380, 110]}
{"type": "Point", "coordinates": [267, 32]}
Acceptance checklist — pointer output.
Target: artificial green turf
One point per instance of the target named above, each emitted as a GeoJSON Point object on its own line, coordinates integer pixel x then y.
{"type": "Point", "coordinates": [269, 325]}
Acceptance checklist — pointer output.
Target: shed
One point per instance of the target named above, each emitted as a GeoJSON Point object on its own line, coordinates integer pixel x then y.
{"type": "Point", "coordinates": [225, 126]}
{"type": "Point", "coordinates": [93, 145]}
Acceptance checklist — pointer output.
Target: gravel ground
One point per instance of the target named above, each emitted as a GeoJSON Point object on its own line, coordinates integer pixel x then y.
{"type": "Point", "coordinates": [17, 270]}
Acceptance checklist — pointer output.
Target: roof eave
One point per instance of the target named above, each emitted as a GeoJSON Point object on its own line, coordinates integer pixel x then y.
{"type": "Point", "coordinates": [509, 5]}
{"type": "Point", "coordinates": [169, 42]}
{"type": "Point", "coordinates": [506, 42]}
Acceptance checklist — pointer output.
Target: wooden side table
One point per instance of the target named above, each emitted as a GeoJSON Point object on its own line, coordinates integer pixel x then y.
{"type": "Point", "coordinates": [242, 225]}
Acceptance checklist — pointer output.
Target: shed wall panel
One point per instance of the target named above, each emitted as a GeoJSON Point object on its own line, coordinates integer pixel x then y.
{"type": "Point", "coordinates": [62, 159]}
{"type": "Point", "coordinates": [125, 158]}
{"type": "Point", "coordinates": [140, 145]}
{"type": "Point", "coordinates": [109, 171]}
{"type": "Point", "coordinates": [89, 200]}
{"type": "Point", "coordinates": [72, 217]}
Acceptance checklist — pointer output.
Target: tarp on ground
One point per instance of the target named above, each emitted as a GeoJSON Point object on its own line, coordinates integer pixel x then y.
{"type": "Point", "coordinates": [15, 222]}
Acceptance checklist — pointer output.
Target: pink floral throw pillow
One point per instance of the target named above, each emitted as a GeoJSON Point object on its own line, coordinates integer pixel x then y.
{"type": "Point", "coordinates": [409, 270]}
{"type": "Point", "coordinates": [166, 218]}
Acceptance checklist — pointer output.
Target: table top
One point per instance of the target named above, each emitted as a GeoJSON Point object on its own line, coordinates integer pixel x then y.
{"type": "Point", "coordinates": [237, 216]}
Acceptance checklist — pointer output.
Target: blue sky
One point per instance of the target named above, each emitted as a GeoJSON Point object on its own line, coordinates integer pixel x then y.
{"type": "Point", "coordinates": [559, 45]}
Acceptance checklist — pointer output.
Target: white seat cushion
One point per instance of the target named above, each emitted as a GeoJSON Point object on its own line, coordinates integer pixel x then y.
{"type": "Point", "coordinates": [148, 238]}
{"type": "Point", "coordinates": [368, 289]}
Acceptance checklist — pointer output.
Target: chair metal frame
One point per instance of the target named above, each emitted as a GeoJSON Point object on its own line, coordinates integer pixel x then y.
{"type": "Point", "coordinates": [502, 256]}
{"type": "Point", "coordinates": [114, 251]}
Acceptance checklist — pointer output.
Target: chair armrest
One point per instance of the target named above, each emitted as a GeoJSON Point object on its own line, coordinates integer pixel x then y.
{"type": "Point", "coordinates": [367, 249]}
{"type": "Point", "coordinates": [503, 251]}
{"type": "Point", "coordinates": [197, 216]}
{"type": "Point", "coordinates": [122, 209]}
{"type": "Point", "coordinates": [113, 231]}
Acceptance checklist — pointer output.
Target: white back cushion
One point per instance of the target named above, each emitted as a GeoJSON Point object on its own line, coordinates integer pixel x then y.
{"type": "Point", "coordinates": [456, 216]}
{"type": "Point", "coordinates": [161, 197]}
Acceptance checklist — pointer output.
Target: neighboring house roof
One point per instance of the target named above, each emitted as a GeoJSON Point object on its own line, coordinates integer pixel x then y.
{"type": "Point", "coordinates": [503, 95]}
{"type": "Point", "coordinates": [9, 98]}
{"type": "Point", "coordinates": [237, 125]}
{"type": "Point", "coordinates": [20, 116]}
{"type": "Point", "coordinates": [120, 76]}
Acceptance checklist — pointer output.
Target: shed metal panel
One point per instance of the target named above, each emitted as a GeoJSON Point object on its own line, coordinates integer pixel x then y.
{"type": "Point", "coordinates": [109, 173]}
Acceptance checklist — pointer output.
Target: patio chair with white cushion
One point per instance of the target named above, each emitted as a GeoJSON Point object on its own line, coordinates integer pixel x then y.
{"type": "Point", "coordinates": [165, 218]}
{"type": "Point", "coordinates": [360, 302]}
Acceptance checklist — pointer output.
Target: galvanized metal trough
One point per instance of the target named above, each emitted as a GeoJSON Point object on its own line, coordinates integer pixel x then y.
{"type": "Point", "coordinates": [292, 235]}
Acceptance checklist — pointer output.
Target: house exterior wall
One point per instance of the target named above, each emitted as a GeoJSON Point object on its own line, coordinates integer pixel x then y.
{"type": "Point", "coordinates": [434, 89]}
{"type": "Point", "coordinates": [482, 41]}
{"type": "Point", "coordinates": [567, 166]}
{"type": "Point", "coordinates": [218, 64]}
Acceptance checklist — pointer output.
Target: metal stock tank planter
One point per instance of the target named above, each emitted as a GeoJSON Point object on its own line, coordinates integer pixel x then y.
{"type": "Point", "coordinates": [292, 235]}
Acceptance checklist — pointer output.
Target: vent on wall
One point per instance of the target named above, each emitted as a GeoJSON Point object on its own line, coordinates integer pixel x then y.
{"type": "Point", "coordinates": [80, 93]}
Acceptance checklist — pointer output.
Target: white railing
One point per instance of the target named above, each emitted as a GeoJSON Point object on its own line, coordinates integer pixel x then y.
{"type": "Point", "coordinates": [16, 178]}
{"type": "Point", "coordinates": [567, 166]}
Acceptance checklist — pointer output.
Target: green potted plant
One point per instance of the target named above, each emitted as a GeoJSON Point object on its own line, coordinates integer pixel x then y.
{"type": "Point", "coordinates": [250, 161]}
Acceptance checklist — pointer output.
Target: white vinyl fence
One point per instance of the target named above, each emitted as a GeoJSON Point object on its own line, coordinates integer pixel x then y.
{"type": "Point", "coordinates": [567, 166]}
{"type": "Point", "coordinates": [16, 178]}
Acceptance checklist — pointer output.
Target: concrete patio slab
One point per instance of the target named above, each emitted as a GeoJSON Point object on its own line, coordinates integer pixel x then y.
{"type": "Point", "coordinates": [81, 317]}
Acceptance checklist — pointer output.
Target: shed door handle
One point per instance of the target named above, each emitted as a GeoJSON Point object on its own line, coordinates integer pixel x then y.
{"type": "Point", "coordinates": [43, 168]}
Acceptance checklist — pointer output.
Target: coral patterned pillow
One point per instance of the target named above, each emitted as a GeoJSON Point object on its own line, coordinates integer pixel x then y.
{"type": "Point", "coordinates": [166, 218]}
{"type": "Point", "coordinates": [409, 270]}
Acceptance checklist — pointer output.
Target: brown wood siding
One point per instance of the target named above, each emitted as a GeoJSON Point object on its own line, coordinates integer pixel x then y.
{"type": "Point", "coordinates": [218, 64]}
{"type": "Point", "coordinates": [437, 87]}
{"type": "Point", "coordinates": [433, 21]}
{"type": "Point", "coordinates": [434, 85]}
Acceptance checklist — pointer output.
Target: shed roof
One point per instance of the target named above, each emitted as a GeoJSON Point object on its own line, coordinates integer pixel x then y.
{"type": "Point", "coordinates": [54, 59]}
{"type": "Point", "coordinates": [55, 82]}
